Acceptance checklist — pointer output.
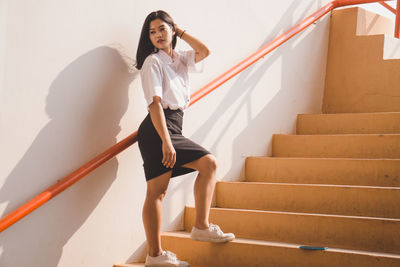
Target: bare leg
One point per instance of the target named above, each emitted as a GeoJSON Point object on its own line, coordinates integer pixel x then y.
{"type": "Point", "coordinates": [152, 209]}
{"type": "Point", "coordinates": [203, 188]}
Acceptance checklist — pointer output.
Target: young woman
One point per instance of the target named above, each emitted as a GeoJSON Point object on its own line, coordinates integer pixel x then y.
{"type": "Point", "coordinates": [165, 151]}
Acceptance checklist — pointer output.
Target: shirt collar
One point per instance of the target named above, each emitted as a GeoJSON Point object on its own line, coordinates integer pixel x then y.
{"type": "Point", "coordinates": [166, 58]}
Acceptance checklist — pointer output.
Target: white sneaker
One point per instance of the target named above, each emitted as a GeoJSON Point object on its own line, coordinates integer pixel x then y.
{"type": "Point", "coordinates": [212, 234]}
{"type": "Point", "coordinates": [167, 258]}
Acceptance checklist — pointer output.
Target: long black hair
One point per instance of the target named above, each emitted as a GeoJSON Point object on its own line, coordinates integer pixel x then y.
{"type": "Point", "coordinates": [145, 46]}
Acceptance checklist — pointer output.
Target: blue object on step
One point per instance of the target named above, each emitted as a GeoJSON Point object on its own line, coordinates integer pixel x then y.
{"type": "Point", "coordinates": [313, 248]}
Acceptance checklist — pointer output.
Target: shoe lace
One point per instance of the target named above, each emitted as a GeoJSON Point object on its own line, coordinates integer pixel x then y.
{"type": "Point", "coordinates": [215, 228]}
{"type": "Point", "coordinates": [171, 255]}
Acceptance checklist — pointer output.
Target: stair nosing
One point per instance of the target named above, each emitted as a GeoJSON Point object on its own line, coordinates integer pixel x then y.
{"type": "Point", "coordinates": [315, 185]}
{"type": "Point", "coordinates": [351, 113]}
{"type": "Point", "coordinates": [340, 134]}
{"type": "Point", "coordinates": [307, 214]}
{"type": "Point", "coordinates": [316, 158]}
{"type": "Point", "coordinates": [333, 159]}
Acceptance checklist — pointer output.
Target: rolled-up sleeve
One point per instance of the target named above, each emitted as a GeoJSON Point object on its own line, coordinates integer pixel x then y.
{"type": "Point", "coordinates": [189, 57]}
{"type": "Point", "coordinates": [151, 78]}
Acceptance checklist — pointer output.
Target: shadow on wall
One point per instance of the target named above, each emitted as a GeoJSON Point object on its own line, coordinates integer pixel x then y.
{"type": "Point", "coordinates": [243, 87]}
{"type": "Point", "coordinates": [305, 98]}
{"type": "Point", "coordinates": [85, 104]}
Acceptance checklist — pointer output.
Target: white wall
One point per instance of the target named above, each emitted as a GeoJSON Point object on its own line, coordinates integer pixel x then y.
{"type": "Point", "coordinates": [3, 30]}
{"type": "Point", "coordinates": [68, 95]}
{"type": "Point", "coordinates": [381, 10]}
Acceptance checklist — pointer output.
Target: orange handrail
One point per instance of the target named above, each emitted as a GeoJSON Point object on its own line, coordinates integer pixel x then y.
{"type": "Point", "coordinates": [72, 178]}
{"type": "Point", "coordinates": [397, 13]}
{"type": "Point", "coordinates": [196, 96]}
{"type": "Point", "coordinates": [391, 9]}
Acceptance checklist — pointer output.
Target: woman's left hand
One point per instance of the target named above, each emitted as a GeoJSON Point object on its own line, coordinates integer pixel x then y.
{"type": "Point", "coordinates": [178, 30]}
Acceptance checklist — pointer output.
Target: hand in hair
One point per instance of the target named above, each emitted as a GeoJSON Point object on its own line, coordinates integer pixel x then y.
{"type": "Point", "coordinates": [178, 30]}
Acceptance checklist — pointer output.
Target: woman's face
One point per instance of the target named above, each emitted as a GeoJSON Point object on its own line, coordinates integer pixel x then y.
{"type": "Point", "coordinates": [161, 34]}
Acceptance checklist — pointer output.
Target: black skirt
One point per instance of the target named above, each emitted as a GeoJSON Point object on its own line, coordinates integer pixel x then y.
{"type": "Point", "coordinates": [150, 146]}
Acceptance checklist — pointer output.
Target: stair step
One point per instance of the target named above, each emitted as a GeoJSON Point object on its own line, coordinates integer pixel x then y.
{"type": "Point", "coordinates": [350, 232]}
{"type": "Point", "coordinates": [349, 123]}
{"type": "Point", "coordinates": [310, 198]}
{"type": "Point", "coordinates": [368, 172]}
{"type": "Point", "coordinates": [129, 265]}
{"type": "Point", "coordinates": [337, 146]}
{"type": "Point", "coordinates": [248, 252]}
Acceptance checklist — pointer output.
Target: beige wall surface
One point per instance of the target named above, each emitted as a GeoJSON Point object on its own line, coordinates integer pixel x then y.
{"type": "Point", "coordinates": [68, 94]}
{"type": "Point", "coordinates": [362, 71]}
{"type": "Point", "coordinates": [381, 10]}
{"type": "Point", "coordinates": [3, 30]}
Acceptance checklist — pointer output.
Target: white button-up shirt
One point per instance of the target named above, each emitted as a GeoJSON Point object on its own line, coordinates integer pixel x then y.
{"type": "Point", "coordinates": [168, 78]}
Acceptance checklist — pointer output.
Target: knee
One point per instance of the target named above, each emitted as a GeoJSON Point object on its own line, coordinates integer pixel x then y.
{"type": "Point", "coordinates": [160, 196]}
{"type": "Point", "coordinates": [210, 163]}
{"type": "Point", "coordinates": [153, 195]}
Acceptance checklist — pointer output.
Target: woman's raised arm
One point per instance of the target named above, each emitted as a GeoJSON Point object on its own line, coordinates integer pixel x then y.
{"type": "Point", "coordinates": [199, 47]}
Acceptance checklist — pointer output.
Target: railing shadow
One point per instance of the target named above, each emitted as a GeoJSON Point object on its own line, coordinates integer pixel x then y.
{"type": "Point", "coordinates": [85, 104]}
{"type": "Point", "coordinates": [309, 94]}
{"type": "Point", "coordinates": [262, 126]}
{"type": "Point", "coordinates": [245, 82]}
{"type": "Point", "coordinates": [243, 87]}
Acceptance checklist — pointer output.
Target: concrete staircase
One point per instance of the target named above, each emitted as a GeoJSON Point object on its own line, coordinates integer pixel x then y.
{"type": "Point", "coordinates": [336, 183]}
